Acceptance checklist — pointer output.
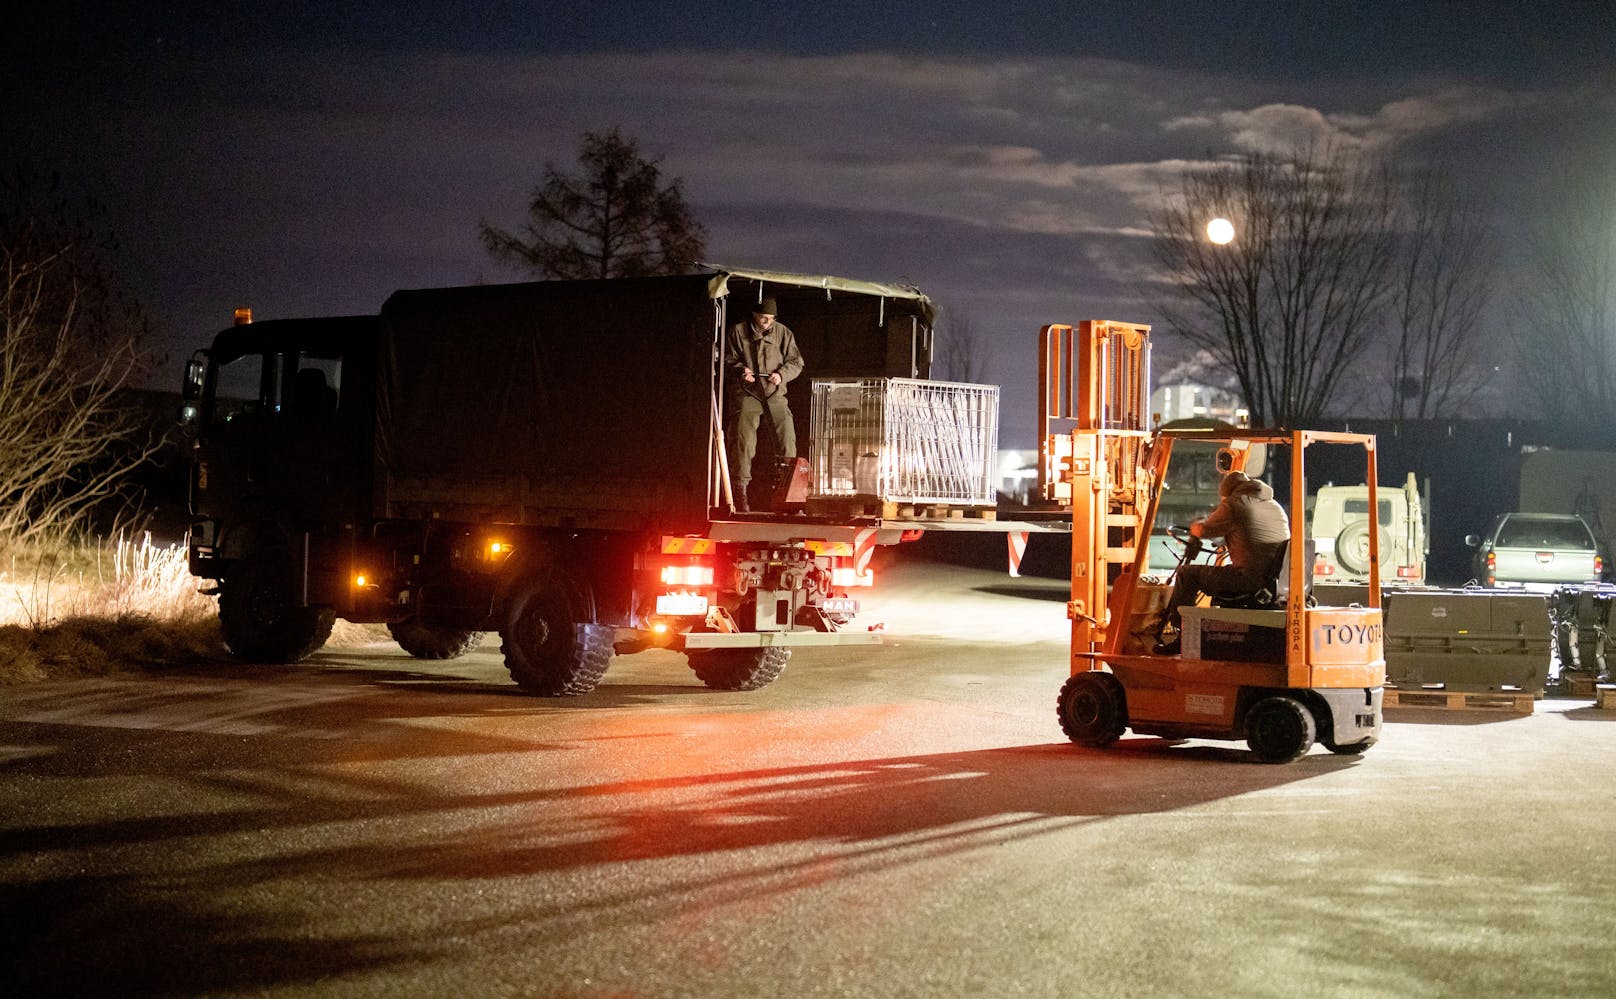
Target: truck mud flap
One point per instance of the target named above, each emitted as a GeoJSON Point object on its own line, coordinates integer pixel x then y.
{"type": "Point", "coordinates": [759, 639]}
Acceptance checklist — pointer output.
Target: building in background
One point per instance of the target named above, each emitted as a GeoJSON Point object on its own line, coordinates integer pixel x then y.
{"type": "Point", "coordinates": [1188, 400]}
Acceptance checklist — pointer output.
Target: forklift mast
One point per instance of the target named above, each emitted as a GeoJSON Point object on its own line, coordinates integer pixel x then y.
{"type": "Point", "coordinates": [1098, 459]}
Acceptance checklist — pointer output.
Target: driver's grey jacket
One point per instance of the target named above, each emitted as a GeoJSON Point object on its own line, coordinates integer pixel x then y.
{"type": "Point", "coordinates": [1252, 524]}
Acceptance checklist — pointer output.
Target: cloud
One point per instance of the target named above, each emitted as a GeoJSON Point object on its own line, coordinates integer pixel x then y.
{"type": "Point", "coordinates": [1024, 181]}
{"type": "Point", "coordinates": [1278, 128]}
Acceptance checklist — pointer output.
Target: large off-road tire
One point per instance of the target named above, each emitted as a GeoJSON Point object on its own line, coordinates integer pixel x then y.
{"type": "Point", "coordinates": [1093, 708]}
{"type": "Point", "coordinates": [425, 642]}
{"type": "Point", "coordinates": [1280, 729]}
{"type": "Point", "coordinates": [548, 649]}
{"type": "Point", "coordinates": [258, 611]}
{"type": "Point", "coordinates": [739, 669]}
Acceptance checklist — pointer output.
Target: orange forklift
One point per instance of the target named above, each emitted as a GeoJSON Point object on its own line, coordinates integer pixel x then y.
{"type": "Point", "coordinates": [1268, 667]}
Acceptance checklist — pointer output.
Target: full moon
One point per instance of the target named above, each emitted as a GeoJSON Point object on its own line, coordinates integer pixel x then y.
{"type": "Point", "coordinates": [1220, 231]}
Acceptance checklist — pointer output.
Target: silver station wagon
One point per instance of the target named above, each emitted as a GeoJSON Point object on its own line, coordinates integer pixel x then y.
{"type": "Point", "coordinates": [1537, 550]}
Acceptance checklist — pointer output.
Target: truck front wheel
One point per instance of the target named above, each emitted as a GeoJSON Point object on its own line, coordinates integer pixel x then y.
{"type": "Point", "coordinates": [258, 612]}
{"type": "Point", "coordinates": [548, 649]}
{"type": "Point", "coordinates": [739, 669]}
{"type": "Point", "coordinates": [425, 642]}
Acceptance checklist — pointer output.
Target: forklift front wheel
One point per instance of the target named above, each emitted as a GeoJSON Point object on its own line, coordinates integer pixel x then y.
{"type": "Point", "coordinates": [1093, 708]}
{"type": "Point", "coordinates": [1280, 729]}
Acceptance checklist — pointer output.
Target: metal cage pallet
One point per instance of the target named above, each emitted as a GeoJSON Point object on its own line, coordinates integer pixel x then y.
{"type": "Point", "coordinates": [905, 441]}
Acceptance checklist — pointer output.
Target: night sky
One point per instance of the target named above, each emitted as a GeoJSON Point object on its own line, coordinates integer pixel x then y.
{"type": "Point", "coordinates": [305, 159]}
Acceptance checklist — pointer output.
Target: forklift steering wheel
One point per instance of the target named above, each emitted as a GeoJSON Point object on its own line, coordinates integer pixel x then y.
{"type": "Point", "coordinates": [1190, 543]}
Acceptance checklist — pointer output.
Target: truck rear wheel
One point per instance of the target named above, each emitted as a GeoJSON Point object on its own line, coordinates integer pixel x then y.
{"type": "Point", "coordinates": [258, 612]}
{"type": "Point", "coordinates": [425, 642]}
{"type": "Point", "coordinates": [1093, 708]}
{"type": "Point", "coordinates": [548, 650]}
{"type": "Point", "coordinates": [739, 669]}
{"type": "Point", "coordinates": [1280, 729]}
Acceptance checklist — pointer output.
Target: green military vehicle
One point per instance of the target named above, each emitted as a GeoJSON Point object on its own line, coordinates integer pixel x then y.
{"type": "Point", "coordinates": [544, 460]}
{"type": "Point", "coordinates": [1340, 534]}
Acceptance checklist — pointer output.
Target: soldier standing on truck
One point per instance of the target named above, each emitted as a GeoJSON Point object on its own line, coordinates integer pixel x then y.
{"type": "Point", "coordinates": [761, 357]}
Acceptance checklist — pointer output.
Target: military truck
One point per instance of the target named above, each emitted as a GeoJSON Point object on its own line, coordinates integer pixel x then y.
{"type": "Point", "coordinates": [545, 460]}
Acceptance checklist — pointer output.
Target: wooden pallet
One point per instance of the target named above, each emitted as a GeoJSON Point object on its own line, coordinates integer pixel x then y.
{"type": "Point", "coordinates": [1605, 696]}
{"type": "Point", "coordinates": [1522, 702]}
{"type": "Point", "coordinates": [1580, 686]}
{"type": "Point", "coordinates": [840, 508]}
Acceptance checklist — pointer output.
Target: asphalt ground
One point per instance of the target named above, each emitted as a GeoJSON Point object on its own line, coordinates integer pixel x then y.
{"type": "Point", "coordinates": [895, 820]}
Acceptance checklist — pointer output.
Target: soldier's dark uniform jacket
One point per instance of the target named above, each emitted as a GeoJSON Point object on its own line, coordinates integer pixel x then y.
{"type": "Point", "coordinates": [775, 350]}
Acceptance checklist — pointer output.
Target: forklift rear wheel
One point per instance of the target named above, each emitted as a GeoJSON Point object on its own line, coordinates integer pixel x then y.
{"type": "Point", "coordinates": [1093, 708]}
{"type": "Point", "coordinates": [548, 649]}
{"type": "Point", "coordinates": [258, 611]}
{"type": "Point", "coordinates": [425, 642]}
{"type": "Point", "coordinates": [739, 669]}
{"type": "Point", "coordinates": [1279, 729]}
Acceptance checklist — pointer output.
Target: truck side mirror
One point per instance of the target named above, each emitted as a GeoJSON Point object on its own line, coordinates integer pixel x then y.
{"type": "Point", "coordinates": [190, 413]}
{"type": "Point", "coordinates": [1472, 540]}
{"type": "Point", "coordinates": [195, 371]}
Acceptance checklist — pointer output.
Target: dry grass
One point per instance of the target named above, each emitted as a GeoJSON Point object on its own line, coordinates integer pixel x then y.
{"type": "Point", "coordinates": [110, 607]}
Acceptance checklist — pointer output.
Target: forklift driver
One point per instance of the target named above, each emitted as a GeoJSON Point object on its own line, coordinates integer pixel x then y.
{"type": "Point", "coordinates": [1255, 529]}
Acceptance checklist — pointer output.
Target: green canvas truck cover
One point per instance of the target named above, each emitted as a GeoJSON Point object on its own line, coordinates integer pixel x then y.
{"type": "Point", "coordinates": [546, 401]}
{"type": "Point", "coordinates": [589, 403]}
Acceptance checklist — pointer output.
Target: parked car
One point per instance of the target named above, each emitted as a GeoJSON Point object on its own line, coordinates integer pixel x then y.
{"type": "Point", "coordinates": [1537, 550]}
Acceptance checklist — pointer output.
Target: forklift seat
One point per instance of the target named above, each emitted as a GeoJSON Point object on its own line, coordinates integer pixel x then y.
{"type": "Point", "coordinates": [1277, 588]}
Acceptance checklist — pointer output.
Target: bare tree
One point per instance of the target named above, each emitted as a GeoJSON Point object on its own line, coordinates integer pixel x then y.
{"type": "Point", "coordinates": [1294, 301]}
{"type": "Point", "coordinates": [1568, 358]}
{"type": "Point", "coordinates": [68, 346]}
{"type": "Point", "coordinates": [960, 354]}
{"type": "Point", "coordinates": [1444, 277]}
{"type": "Point", "coordinates": [614, 219]}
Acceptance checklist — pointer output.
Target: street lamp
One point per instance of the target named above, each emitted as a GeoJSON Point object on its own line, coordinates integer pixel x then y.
{"type": "Point", "coordinates": [1220, 231]}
